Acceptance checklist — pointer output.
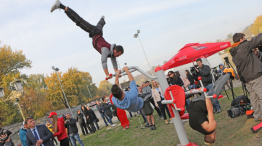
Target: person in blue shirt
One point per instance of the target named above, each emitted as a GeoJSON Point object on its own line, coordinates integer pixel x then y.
{"type": "Point", "coordinates": [22, 134]}
{"type": "Point", "coordinates": [129, 100]}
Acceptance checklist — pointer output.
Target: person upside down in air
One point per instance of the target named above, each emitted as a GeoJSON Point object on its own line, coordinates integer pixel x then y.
{"type": "Point", "coordinates": [201, 117]}
{"type": "Point", "coordinates": [128, 100]}
{"type": "Point", "coordinates": [96, 33]}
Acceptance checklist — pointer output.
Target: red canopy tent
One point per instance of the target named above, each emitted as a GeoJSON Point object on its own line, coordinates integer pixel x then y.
{"type": "Point", "coordinates": [190, 52]}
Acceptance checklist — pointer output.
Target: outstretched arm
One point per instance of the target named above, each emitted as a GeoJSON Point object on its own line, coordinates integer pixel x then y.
{"type": "Point", "coordinates": [211, 124]}
{"type": "Point", "coordinates": [117, 77]}
{"type": "Point", "coordinates": [130, 76]}
{"type": "Point", "coordinates": [104, 55]}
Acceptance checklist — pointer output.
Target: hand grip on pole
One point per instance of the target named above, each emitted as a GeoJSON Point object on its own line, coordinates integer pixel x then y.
{"type": "Point", "coordinates": [109, 75]}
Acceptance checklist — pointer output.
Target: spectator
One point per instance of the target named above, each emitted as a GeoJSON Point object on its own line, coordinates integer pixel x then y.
{"type": "Point", "coordinates": [94, 117]}
{"type": "Point", "coordinates": [191, 80]}
{"type": "Point", "coordinates": [205, 74]}
{"type": "Point", "coordinates": [115, 111]}
{"type": "Point", "coordinates": [70, 123]}
{"type": "Point", "coordinates": [89, 120]}
{"type": "Point", "coordinates": [101, 109]}
{"type": "Point", "coordinates": [249, 69]}
{"type": "Point", "coordinates": [8, 142]}
{"type": "Point", "coordinates": [50, 127]}
{"type": "Point", "coordinates": [146, 89]}
{"type": "Point", "coordinates": [185, 81]}
{"type": "Point", "coordinates": [158, 97]}
{"type": "Point", "coordinates": [22, 134]}
{"type": "Point", "coordinates": [147, 108]}
{"type": "Point", "coordinates": [174, 80]}
{"type": "Point", "coordinates": [59, 129]}
{"type": "Point", "coordinates": [81, 122]}
{"type": "Point", "coordinates": [221, 68]}
{"type": "Point", "coordinates": [108, 111]}
{"type": "Point", "coordinates": [38, 135]}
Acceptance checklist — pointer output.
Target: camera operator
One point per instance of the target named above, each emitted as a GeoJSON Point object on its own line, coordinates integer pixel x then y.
{"type": "Point", "coordinates": [204, 72]}
{"type": "Point", "coordinates": [249, 69]}
{"type": "Point", "coordinates": [5, 140]}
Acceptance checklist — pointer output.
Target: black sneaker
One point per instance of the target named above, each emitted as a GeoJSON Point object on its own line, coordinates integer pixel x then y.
{"type": "Point", "coordinates": [151, 127]}
{"type": "Point", "coordinates": [147, 125]}
{"type": "Point", "coordinates": [154, 127]}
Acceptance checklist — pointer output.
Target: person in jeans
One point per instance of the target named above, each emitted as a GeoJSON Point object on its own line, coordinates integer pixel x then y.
{"type": "Point", "coordinates": [146, 89]}
{"type": "Point", "coordinates": [108, 110]}
{"type": "Point", "coordinates": [96, 33]}
{"type": "Point", "coordinates": [70, 124]}
{"type": "Point", "coordinates": [94, 117]}
{"type": "Point", "coordinates": [158, 97]}
{"type": "Point", "coordinates": [81, 122]}
{"type": "Point", "coordinates": [249, 69]}
{"type": "Point", "coordinates": [205, 74]}
{"type": "Point", "coordinates": [102, 110]}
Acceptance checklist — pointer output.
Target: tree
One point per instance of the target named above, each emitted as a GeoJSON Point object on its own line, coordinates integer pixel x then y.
{"type": "Point", "coordinates": [257, 26]}
{"type": "Point", "coordinates": [106, 86]}
{"type": "Point", "coordinates": [12, 61]}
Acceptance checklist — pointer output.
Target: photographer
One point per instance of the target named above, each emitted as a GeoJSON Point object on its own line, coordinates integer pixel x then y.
{"type": "Point", "coordinates": [204, 72]}
{"type": "Point", "coordinates": [249, 69]}
{"type": "Point", "coordinates": [5, 139]}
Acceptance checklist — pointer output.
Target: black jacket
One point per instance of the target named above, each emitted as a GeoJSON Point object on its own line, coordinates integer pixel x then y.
{"type": "Point", "coordinates": [93, 115]}
{"type": "Point", "coordinates": [178, 81]}
{"type": "Point", "coordinates": [247, 63]}
{"type": "Point", "coordinates": [108, 110]}
{"type": "Point", "coordinates": [191, 79]}
{"type": "Point", "coordinates": [80, 119]}
{"type": "Point", "coordinates": [205, 74]}
{"type": "Point", "coordinates": [90, 119]}
{"type": "Point", "coordinates": [71, 125]}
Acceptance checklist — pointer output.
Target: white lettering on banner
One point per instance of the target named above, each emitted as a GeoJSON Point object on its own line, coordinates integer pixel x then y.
{"type": "Point", "coordinates": [182, 58]}
{"type": "Point", "coordinates": [223, 46]}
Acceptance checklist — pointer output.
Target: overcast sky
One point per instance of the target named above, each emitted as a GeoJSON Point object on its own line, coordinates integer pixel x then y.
{"type": "Point", "coordinates": [52, 39]}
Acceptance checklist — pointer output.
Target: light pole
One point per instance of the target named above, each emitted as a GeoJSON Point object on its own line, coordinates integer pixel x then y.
{"type": "Point", "coordinates": [89, 92]}
{"type": "Point", "coordinates": [56, 70]}
{"type": "Point", "coordinates": [136, 36]}
{"type": "Point", "coordinates": [17, 89]}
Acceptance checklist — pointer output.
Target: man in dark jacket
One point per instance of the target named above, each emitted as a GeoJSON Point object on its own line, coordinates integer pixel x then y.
{"type": "Point", "coordinates": [249, 69]}
{"type": "Point", "coordinates": [102, 110]}
{"type": "Point", "coordinates": [94, 117]}
{"type": "Point", "coordinates": [204, 72]}
{"type": "Point", "coordinates": [81, 122]}
{"type": "Point", "coordinates": [70, 124]}
{"type": "Point", "coordinates": [108, 111]}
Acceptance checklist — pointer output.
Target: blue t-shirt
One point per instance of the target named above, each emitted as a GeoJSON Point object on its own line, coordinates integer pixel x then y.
{"type": "Point", "coordinates": [131, 101]}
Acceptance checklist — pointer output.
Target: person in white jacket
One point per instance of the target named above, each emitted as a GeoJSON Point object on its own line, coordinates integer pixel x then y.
{"type": "Point", "coordinates": [158, 97]}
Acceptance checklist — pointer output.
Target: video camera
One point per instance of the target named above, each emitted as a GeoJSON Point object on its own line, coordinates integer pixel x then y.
{"type": "Point", "coordinates": [3, 132]}
{"type": "Point", "coordinates": [193, 69]}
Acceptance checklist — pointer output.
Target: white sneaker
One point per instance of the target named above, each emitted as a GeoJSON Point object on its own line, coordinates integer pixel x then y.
{"type": "Point", "coordinates": [171, 122]}
{"type": "Point", "coordinates": [113, 125]}
{"type": "Point", "coordinates": [56, 5]}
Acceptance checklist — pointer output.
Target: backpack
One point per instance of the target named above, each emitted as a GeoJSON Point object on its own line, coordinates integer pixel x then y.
{"type": "Point", "coordinates": [237, 100]}
{"type": "Point", "coordinates": [238, 106]}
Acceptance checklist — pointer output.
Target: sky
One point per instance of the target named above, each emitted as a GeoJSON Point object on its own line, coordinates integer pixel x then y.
{"type": "Point", "coordinates": [52, 39]}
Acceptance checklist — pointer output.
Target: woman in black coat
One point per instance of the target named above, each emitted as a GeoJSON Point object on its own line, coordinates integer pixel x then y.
{"type": "Point", "coordinates": [174, 80]}
{"type": "Point", "coordinates": [89, 119]}
{"type": "Point", "coordinates": [81, 122]}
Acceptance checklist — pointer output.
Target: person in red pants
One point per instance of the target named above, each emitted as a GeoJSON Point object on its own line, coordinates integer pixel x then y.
{"type": "Point", "coordinates": [96, 33]}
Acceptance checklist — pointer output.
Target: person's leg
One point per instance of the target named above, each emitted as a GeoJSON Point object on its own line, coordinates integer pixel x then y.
{"type": "Point", "coordinates": [64, 142]}
{"type": "Point", "coordinates": [157, 110]}
{"type": "Point", "coordinates": [143, 116]}
{"type": "Point", "coordinates": [130, 114]}
{"type": "Point", "coordinates": [103, 117]}
{"type": "Point", "coordinates": [78, 139]}
{"type": "Point", "coordinates": [162, 110]}
{"type": "Point", "coordinates": [88, 126]}
{"type": "Point", "coordinates": [96, 124]}
{"type": "Point", "coordinates": [254, 87]}
{"type": "Point", "coordinates": [93, 127]}
{"type": "Point", "coordinates": [109, 120]}
{"type": "Point", "coordinates": [73, 140]}
{"type": "Point", "coordinates": [91, 29]}
{"type": "Point", "coordinates": [194, 86]}
{"type": "Point", "coordinates": [82, 128]}
{"type": "Point", "coordinates": [149, 120]}
{"type": "Point", "coordinates": [153, 122]}
{"type": "Point", "coordinates": [84, 125]}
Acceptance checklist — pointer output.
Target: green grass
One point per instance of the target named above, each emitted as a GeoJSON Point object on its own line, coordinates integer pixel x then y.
{"type": "Point", "coordinates": [230, 132]}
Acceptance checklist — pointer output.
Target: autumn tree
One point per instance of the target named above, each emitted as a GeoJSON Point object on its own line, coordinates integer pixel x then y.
{"type": "Point", "coordinates": [256, 28]}
{"type": "Point", "coordinates": [104, 88]}
{"type": "Point", "coordinates": [12, 61]}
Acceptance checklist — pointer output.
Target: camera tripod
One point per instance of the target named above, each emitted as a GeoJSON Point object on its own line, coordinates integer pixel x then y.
{"type": "Point", "coordinates": [229, 65]}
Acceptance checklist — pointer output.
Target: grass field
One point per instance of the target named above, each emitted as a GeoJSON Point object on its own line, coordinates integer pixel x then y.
{"type": "Point", "coordinates": [230, 132]}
